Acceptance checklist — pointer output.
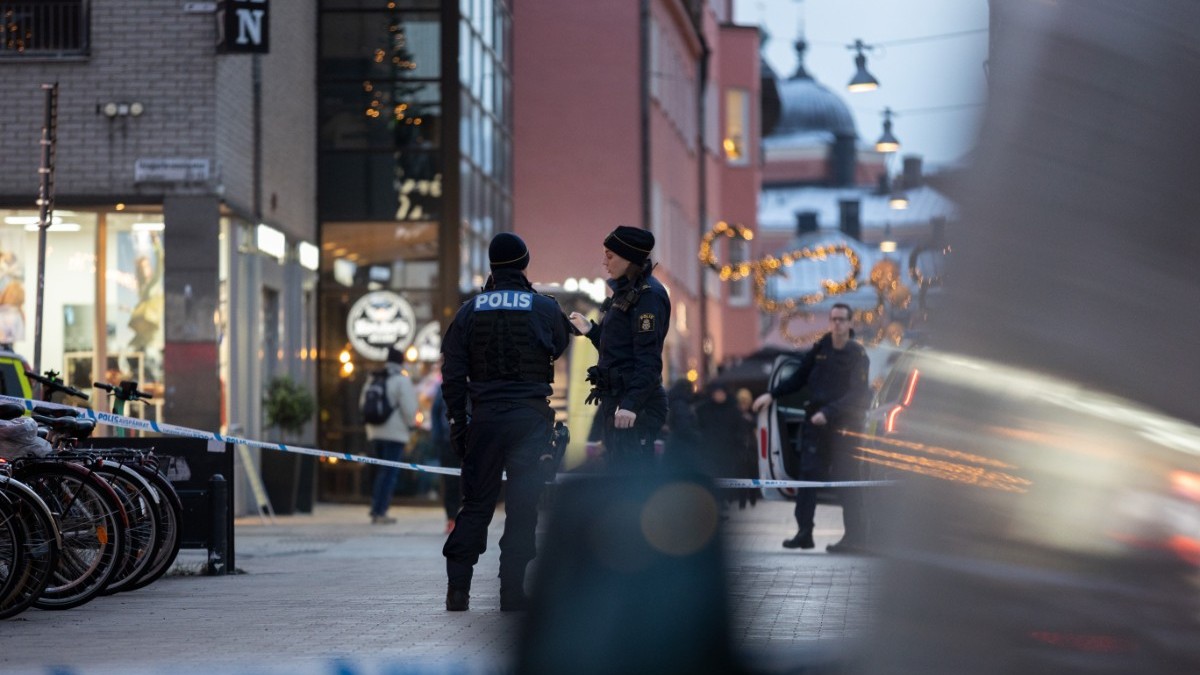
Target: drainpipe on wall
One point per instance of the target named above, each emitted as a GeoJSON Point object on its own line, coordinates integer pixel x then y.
{"type": "Point", "coordinates": [256, 128]}
{"type": "Point", "coordinates": [644, 108]}
{"type": "Point", "coordinates": [702, 192]}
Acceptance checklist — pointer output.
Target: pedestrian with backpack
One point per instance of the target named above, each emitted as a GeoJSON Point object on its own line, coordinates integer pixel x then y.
{"type": "Point", "coordinates": [389, 408]}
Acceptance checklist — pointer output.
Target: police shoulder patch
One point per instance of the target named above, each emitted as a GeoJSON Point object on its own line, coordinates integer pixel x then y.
{"type": "Point", "coordinates": [645, 323]}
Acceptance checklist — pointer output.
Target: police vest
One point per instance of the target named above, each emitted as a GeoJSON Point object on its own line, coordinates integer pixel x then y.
{"type": "Point", "coordinates": [503, 343]}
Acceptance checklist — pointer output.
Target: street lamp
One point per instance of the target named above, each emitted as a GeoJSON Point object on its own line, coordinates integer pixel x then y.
{"type": "Point", "coordinates": [887, 244]}
{"type": "Point", "coordinates": [862, 80]}
{"type": "Point", "coordinates": [888, 141]}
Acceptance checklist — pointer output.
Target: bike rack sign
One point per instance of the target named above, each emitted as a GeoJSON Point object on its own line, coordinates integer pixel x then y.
{"type": "Point", "coordinates": [378, 320]}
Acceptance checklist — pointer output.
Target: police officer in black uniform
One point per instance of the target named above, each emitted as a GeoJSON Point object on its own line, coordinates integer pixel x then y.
{"type": "Point", "coordinates": [498, 355]}
{"type": "Point", "coordinates": [627, 381]}
{"type": "Point", "coordinates": [835, 372]}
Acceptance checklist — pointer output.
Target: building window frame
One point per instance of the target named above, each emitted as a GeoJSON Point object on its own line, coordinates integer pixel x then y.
{"type": "Point", "coordinates": [736, 140]}
{"type": "Point", "coordinates": [44, 29]}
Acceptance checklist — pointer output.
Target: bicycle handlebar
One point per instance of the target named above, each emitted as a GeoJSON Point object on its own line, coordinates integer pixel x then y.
{"type": "Point", "coordinates": [56, 384]}
{"type": "Point", "coordinates": [126, 390]}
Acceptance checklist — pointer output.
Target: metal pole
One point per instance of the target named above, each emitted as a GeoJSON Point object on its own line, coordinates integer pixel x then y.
{"type": "Point", "coordinates": [46, 210]}
{"type": "Point", "coordinates": [218, 537]}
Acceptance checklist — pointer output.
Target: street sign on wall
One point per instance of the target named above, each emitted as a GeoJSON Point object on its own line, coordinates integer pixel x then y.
{"type": "Point", "coordinates": [243, 27]}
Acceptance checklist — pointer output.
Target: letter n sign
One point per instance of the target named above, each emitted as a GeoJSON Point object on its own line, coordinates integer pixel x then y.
{"type": "Point", "coordinates": [243, 26]}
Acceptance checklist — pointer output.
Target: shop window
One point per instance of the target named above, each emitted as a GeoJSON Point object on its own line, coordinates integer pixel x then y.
{"type": "Point", "coordinates": [69, 291]}
{"type": "Point", "coordinates": [134, 299]}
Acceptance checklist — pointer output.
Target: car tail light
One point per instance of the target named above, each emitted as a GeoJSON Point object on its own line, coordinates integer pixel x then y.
{"type": "Point", "coordinates": [889, 424]}
{"type": "Point", "coordinates": [762, 442]}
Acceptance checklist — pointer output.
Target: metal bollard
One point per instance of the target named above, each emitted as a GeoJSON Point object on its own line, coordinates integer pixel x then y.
{"type": "Point", "coordinates": [218, 540]}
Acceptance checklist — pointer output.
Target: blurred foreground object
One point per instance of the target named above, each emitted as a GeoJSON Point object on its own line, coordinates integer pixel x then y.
{"type": "Point", "coordinates": [1052, 521]}
{"type": "Point", "coordinates": [631, 580]}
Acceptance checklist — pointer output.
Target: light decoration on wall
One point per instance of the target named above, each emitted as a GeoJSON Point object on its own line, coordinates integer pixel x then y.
{"type": "Point", "coordinates": [770, 265]}
{"type": "Point", "coordinates": [887, 320]}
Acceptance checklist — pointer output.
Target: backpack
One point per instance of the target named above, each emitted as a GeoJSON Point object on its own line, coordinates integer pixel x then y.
{"type": "Point", "coordinates": [376, 408]}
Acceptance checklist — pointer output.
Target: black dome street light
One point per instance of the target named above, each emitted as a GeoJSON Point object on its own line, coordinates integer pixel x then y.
{"type": "Point", "coordinates": [862, 80]}
{"type": "Point", "coordinates": [888, 141]}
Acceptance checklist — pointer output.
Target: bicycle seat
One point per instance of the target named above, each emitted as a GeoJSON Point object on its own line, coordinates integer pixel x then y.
{"type": "Point", "coordinates": [57, 423]}
{"type": "Point", "coordinates": [47, 411]}
{"type": "Point", "coordinates": [11, 411]}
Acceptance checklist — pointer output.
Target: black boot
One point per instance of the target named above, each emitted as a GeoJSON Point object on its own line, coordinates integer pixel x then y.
{"type": "Point", "coordinates": [801, 540]}
{"type": "Point", "coordinates": [457, 600]}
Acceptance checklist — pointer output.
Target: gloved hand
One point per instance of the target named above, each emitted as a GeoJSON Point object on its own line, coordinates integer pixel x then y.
{"type": "Point", "coordinates": [458, 438]}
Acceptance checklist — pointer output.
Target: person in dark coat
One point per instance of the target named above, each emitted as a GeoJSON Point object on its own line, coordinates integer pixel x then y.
{"type": "Point", "coordinates": [497, 367]}
{"type": "Point", "coordinates": [627, 380]}
{"type": "Point", "coordinates": [720, 430]}
{"type": "Point", "coordinates": [835, 372]}
{"type": "Point", "coordinates": [683, 432]}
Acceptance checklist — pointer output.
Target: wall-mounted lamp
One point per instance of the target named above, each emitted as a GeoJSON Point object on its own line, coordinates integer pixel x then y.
{"type": "Point", "coordinates": [862, 80]}
{"type": "Point", "coordinates": [888, 141]}
{"type": "Point", "coordinates": [270, 241]}
{"type": "Point", "coordinates": [113, 109]}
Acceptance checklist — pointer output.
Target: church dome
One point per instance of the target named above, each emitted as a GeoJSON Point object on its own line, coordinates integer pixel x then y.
{"type": "Point", "coordinates": [809, 107]}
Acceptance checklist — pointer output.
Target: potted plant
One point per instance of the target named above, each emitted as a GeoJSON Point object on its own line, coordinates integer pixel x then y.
{"type": "Point", "coordinates": [288, 406]}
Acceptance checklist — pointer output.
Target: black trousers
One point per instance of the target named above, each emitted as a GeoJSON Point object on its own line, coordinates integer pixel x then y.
{"type": "Point", "coordinates": [814, 449]}
{"type": "Point", "coordinates": [825, 455]}
{"type": "Point", "coordinates": [502, 437]}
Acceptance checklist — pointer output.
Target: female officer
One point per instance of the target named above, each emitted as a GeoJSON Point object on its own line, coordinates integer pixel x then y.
{"type": "Point", "coordinates": [627, 381]}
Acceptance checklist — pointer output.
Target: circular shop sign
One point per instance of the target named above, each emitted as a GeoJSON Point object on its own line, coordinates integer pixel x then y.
{"type": "Point", "coordinates": [429, 342]}
{"type": "Point", "coordinates": [378, 320]}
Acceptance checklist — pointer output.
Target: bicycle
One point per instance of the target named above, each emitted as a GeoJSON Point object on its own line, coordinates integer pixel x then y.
{"type": "Point", "coordinates": [29, 543]}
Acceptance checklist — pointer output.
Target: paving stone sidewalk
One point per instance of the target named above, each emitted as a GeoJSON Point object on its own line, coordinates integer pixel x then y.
{"type": "Point", "coordinates": [330, 593]}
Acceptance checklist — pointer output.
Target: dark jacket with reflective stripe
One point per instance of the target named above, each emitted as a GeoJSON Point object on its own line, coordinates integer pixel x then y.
{"type": "Point", "coordinates": [492, 348]}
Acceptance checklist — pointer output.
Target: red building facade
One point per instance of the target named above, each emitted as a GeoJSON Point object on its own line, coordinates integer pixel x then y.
{"type": "Point", "coordinates": [643, 114]}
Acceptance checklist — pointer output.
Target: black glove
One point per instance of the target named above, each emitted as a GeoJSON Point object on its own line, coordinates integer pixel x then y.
{"type": "Point", "coordinates": [458, 438]}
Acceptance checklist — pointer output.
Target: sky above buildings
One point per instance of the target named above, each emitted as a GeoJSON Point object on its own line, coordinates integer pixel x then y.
{"type": "Point", "coordinates": [929, 62]}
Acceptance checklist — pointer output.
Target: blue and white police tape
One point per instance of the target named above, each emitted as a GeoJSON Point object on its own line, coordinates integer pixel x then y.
{"type": "Point", "coordinates": [124, 422]}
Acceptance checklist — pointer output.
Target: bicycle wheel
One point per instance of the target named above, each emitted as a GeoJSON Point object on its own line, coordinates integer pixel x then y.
{"type": "Point", "coordinates": [92, 524]}
{"type": "Point", "coordinates": [170, 534]}
{"type": "Point", "coordinates": [29, 546]}
{"type": "Point", "coordinates": [12, 564]}
{"type": "Point", "coordinates": [141, 504]}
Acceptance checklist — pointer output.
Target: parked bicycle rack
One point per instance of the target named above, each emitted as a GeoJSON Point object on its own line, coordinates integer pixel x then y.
{"type": "Point", "coordinates": [200, 471]}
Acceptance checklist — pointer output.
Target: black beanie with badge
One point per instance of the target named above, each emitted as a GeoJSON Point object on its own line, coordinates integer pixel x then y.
{"type": "Point", "coordinates": [508, 251]}
{"type": "Point", "coordinates": [631, 243]}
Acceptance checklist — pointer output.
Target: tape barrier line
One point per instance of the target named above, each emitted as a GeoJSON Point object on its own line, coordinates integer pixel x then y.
{"type": "Point", "coordinates": [115, 420]}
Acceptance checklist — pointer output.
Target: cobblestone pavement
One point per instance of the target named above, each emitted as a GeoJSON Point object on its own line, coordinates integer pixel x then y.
{"type": "Point", "coordinates": [330, 593]}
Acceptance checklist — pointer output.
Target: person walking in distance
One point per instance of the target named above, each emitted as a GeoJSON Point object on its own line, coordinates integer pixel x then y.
{"type": "Point", "coordinates": [391, 435]}
{"type": "Point", "coordinates": [835, 372]}
{"type": "Point", "coordinates": [627, 380]}
{"type": "Point", "coordinates": [498, 356]}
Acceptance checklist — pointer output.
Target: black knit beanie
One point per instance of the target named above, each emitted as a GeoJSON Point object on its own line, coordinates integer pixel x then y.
{"type": "Point", "coordinates": [631, 243]}
{"type": "Point", "coordinates": [507, 251]}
